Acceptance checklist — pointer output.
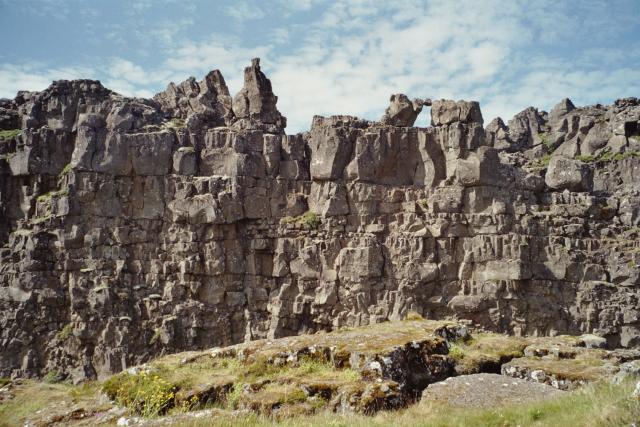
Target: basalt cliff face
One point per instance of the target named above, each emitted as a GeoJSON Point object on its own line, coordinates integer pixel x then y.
{"type": "Point", "coordinates": [133, 227]}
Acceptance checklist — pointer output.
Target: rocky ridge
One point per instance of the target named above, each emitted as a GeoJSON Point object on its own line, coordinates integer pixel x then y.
{"type": "Point", "coordinates": [133, 228]}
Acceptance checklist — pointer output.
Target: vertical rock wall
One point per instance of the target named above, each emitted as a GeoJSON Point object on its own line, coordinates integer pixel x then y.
{"type": "Point", "coordinates": [131, 227]}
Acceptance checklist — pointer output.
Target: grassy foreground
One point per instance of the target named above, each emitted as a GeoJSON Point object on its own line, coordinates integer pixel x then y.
{"type": "Point", "coordinates": [593, 406]}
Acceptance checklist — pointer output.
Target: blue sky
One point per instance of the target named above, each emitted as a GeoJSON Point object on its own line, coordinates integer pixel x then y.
{"type": "Point", "coordinates": [334, 57]}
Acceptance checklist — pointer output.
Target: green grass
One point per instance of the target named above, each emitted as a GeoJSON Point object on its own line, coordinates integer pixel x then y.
{"type": "Point", "coordinates": [65, 170]}
{"type": "Point", "coordinates": [9, 134]}
{"type": "Point", "coordinates": [41, 219]}
{"type": "Point", "coordinates": [52, 194]}
{"type": "Point", "coordinates": [543, 162]}
{"type": "Point", "coordinates": [53, 377]}
{"type": "Point", "coordinates": [485, 350]}
{"type": "Point", "coordinates": [544, 139]}
{"type": "Point", "coordinates": [32, 396]}
{"type": "Point", "coordinates": [608, 156]}
{"type": "Point", "coordinates": [602, 405]}
{"type": "Point", "coordinates": [65, 332]}
{"type": "Point", "coordinates": [176, 123]}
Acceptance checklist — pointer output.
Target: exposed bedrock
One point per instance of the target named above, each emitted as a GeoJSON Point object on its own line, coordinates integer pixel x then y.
{"type": "Point", "coordinates": [131, 228]}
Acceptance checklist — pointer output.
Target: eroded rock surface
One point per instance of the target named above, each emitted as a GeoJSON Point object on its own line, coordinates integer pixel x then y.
{"type": "Point", "coordinates": [134, 227]}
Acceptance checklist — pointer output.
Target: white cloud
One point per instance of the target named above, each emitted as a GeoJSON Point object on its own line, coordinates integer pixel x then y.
{"type": "Point", "coordinates": [353, 55]}
{"type": "Point", "coordinates": [32, 77]}
{"type": "Point", "coordinates": [244, 11]}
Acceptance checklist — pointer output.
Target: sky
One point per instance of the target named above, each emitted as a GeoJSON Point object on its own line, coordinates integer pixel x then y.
{"type": "Point", "coordinates": [334, 56]}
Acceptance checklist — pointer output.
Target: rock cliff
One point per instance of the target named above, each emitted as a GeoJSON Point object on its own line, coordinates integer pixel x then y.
{"type": "Point", "coordinates": [132, 228]}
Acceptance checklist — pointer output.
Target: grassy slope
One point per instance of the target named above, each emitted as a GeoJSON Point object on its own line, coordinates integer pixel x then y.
{"type": "Point", "coordinates": [595, 405]}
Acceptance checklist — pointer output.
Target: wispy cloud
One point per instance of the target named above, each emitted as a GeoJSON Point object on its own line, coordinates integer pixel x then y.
{"type": "Point", "coordinates": [349, 56]}
{"type": "Point", "coordinates": [244, 11]}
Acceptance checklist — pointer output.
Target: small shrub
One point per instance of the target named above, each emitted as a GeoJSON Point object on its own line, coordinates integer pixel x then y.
{"type": "Point", "coordinates": [308, 219]}
{"type": "Point", "coordinates": [9, 134]}
{"type": "Point", "coordinates": [145, 393]}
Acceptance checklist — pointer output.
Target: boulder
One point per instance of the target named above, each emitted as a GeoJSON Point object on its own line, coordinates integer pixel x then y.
{"type": "Point", "coordinates": [444, 112]}
{"type": "Point", "coordinates": [402, 111]}
{"type": "Point", "coordinates": [568, 174]}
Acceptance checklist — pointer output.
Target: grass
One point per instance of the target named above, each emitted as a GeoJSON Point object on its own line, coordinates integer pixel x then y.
{"type": "Point", "coordinates": [585, 367]}
{"type": "Point", "coordinates": [52, 194]}
{"type": "Point", "coordinates": [65, 332]}
{"type": "Point", "coordinates": [593, 406]}
{"type": "Point", "coordinates": [176, 123]}
{"type": "Point", "coordinates": [41, 219]}
{"type": "Point", "coordinates": [32, 396]}
{"type": "Point", "coordinates": [308, 219]}
{"type": "Point", "coordinates": [544, 139]}
{"type": "Point", "coordinates": [293, 380]}
{"type": "Point", "coordinates": [53, 377]}
{"type": "Point", "coordinates": [608, 156]}
{"type": "Point", "coordinates": [543, 161]}
{"type": "Point", "coordinates": [65, 170]}
{"type": "Point", "coordinates": [485, 351]}
{"type": "Point", "coordinates": [9, 134]}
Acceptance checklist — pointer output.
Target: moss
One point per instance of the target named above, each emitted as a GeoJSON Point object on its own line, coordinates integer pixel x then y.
{"type": "Point", "coordinates": [65, 170]}
{"type": "Point", "coordinates": [41, 219]}
{"type": "Point", "coordinates": [53, 194]}
{"type": "Point", "coordinates": [608, 156]}
{"type": "Point", "coordinates": [543, 162]}
{"type": "Point", "coordinates": [585, 368]}
{"type": "Point", "coordinates": [65, 332]}
{"type": "Point", "coordinates": [587, 158]}
{"type": "Point", "coordinates": [9, 134]}
{"type": "Point", "coordinates": [546, 141]}
{"type": "Point", "coordinates": [4, 381]}
{"type": "Point", "coordinates": [176, 123]}
{"type": "Point", "coordinates": [156, 336]}
{"type": "Point", "coordinates": [485, 351]}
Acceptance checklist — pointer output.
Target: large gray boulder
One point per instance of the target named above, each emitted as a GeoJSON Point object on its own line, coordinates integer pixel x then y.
{"type": "Point", "coordinates": [444, 112]}
{"type": "Point", "coordinates": [568, 174]}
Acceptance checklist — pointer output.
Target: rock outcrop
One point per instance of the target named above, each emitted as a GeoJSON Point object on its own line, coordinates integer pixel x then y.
{"type": "Point", "coordinates": [132, 227]}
